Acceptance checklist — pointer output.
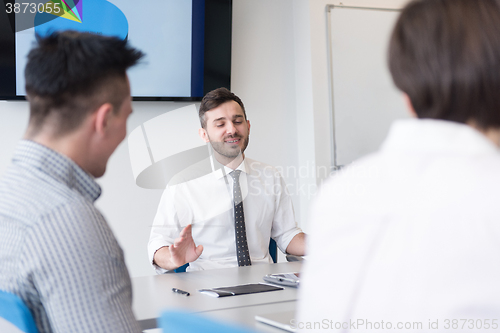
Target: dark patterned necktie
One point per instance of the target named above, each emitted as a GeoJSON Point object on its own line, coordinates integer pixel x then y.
{"type": "Point", "coordinates": [239, 222]}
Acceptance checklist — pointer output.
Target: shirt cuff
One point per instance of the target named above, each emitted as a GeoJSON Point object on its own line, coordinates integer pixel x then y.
{"type": "Point", "coordinates": [152, 248]}
{"type": "Point", "coordinates": [284, 240]}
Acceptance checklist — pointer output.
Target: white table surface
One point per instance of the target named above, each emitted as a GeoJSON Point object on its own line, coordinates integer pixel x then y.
{"type": "Point", "coordinates": [246, 315]}
{"type": "Point", "coordinates": [153, 294]}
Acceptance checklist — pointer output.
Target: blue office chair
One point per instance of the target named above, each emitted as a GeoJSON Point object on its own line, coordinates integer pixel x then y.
{"type": "Point", "coordinates": [273, 251]}
{"type": "Point", "coordinates": [14, 311]}
{"type": "Point", "coordinates": [175, 321]}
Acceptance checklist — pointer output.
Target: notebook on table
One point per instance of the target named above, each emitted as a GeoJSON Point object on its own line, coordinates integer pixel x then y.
{"type": "Point", "coordinates": [240, 290]}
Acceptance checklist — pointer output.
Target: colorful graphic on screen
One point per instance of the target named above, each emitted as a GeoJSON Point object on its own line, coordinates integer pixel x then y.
{"type": "Point", "coordinates": [165, 30]}
{"type": "Point", "coordinates": [101, 17]}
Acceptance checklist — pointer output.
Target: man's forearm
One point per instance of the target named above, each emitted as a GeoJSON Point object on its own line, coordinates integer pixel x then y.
{"type": "Point", "coordinates": [297, 245]}
{"type": "Point", "coordinates": [163, 259]}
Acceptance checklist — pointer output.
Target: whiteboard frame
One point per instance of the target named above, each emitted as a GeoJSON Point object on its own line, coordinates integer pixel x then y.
{"type": "Point", "coordinates": [385, 5]}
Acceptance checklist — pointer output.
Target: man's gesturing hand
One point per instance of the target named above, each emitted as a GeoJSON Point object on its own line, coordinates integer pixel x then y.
{"type": "Point", "coordinates": [184, 249]}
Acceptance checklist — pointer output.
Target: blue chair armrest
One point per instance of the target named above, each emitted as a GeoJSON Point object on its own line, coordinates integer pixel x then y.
{"type": "Point", "coordinates": [13, 310]}
{"type": "Point", "coordinates": [174, 321]}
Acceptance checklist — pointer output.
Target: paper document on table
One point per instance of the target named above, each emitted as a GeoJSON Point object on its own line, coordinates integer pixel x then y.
{"type": "Point", "coordinates": [281, 320]}
{"type": "Point", "coordinates": [240, 290]}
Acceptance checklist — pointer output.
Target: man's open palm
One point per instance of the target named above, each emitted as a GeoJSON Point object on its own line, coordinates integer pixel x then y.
{"type": "Point", "coordinates": [184, 249]}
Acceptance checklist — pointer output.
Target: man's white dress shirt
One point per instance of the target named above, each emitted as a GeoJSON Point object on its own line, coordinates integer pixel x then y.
{"type": "Point", "coordinates": [206, 202]}
{"type": "Point", "coordinates": [410, 234]}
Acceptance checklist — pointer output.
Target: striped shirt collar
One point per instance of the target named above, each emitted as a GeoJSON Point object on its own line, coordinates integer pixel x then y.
{"type": "Point", "coordinates": [33, 155]}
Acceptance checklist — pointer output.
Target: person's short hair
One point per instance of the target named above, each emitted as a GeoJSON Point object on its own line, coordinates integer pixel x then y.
{"type": "Point", "coordinates": [215, 98]}
{"type": "Point", "coordinates": [69, 74]}
{"type": "Point", "coordinates": [445, 55]}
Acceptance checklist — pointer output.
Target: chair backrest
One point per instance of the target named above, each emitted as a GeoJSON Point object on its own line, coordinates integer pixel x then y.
{"type": "Point", "coordinates": [273, 251]}
{"type": "Point", "coordinates": [15, 316]}
{"type": "Point", "coordinates": [182, 268]}
{"type": "Point", "coordinates": [175, 321]}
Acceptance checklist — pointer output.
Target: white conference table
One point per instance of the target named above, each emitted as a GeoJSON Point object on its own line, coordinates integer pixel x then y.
{"type": "Point", "coordinates": [153, 294]}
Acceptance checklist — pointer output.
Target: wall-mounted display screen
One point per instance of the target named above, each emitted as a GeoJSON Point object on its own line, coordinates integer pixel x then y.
{"type": "Point", "coordinates": [187, 42]}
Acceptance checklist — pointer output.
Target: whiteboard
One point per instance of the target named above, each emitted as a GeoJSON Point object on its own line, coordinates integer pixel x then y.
{"type": "Point", "coordinates": [364, 99]}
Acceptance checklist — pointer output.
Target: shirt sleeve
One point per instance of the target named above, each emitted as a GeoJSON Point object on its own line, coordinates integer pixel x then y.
{"type": "Point", "coordinates": [79, 273]}
{"type": "Point", "coordinates": [284, 225]}
{"type": "Point", "coordinates": [166, 227]}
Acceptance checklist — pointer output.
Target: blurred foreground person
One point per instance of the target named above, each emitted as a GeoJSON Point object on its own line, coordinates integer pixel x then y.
{"type": "Point", "coordinates": [408, 237]}
{"type": "Point", "coordinates": [57, 252]}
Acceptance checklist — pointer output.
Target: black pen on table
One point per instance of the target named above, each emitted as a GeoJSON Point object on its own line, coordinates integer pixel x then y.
{"type": "Point", "coordinates": [179, 291]}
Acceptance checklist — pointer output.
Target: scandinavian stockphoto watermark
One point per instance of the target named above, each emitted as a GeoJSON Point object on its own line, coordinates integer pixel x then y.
{"type": "Point", "coordinates": [314, 175]}
{"type": "Point", "coordinates": [365, 324]}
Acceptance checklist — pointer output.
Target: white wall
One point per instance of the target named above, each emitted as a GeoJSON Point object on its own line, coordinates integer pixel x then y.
{"type": "Point", "coordinates": [13, 120]}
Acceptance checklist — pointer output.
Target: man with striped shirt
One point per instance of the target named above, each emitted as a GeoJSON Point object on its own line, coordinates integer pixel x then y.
{"type": "Point", "coordinates": [57, 252]}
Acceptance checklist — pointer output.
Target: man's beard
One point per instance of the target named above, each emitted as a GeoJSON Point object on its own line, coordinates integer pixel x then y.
{"type": "Point", "coordinates": [226, 151]}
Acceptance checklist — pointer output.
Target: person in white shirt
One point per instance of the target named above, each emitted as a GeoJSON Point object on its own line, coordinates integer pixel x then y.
{"type": "Point", "coordinates": [202, 210]}
{"type": "Point", "coordinates": [408, 238]}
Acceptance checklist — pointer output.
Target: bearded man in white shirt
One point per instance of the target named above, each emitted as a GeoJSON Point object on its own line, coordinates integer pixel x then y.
{"type": "Point", "coordinates": [202, 210]}
{"type": "Point", "coordinates": [416, 245]}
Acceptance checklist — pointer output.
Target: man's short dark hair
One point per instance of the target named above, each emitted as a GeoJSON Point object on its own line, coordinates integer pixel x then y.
{"type": "Point", "coordinates": [445, 55]}
{"type": "Point", "coordinates": [69, 74]}
{"type": "Point", "coordinates": [215, 98]}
